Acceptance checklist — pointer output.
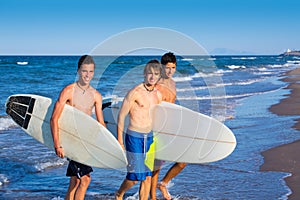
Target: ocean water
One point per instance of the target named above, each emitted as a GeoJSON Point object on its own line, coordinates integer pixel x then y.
{"type": "Point", "coordinates": [242, 87]}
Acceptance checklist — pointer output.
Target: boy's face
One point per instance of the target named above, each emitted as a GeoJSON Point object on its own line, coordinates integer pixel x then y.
{"type": "Point", "coordinates": [169, 69]}
{"type": "Point", "coordinates": [86, 73]}
{"type": "Point", "coordinates": [152, 76]}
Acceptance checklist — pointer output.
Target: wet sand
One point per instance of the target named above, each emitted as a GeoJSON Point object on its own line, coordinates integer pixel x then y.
{"type": "Point", "coordinates": [286, 158]}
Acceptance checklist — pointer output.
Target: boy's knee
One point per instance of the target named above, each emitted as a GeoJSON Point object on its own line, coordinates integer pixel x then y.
{"type": "Point", "coordinates": [148, 178]}
{"type": "Point", "coordinates": [182, 165]}
{"type": "Point", "coordinates": [85, 180]}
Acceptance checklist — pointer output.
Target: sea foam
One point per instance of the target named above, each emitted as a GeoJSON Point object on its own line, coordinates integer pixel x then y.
{"type": "Point", "coordinates": [6, 123]}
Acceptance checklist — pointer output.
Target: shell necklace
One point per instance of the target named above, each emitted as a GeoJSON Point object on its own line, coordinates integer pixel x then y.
{"type": "Point", "coordinates": [83, 90]}
{"type": "Point", "coordinates": [149, 90]}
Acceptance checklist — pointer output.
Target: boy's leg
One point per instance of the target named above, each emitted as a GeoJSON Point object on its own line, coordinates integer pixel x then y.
{"type": "Point", "coordinates": [73, 185]}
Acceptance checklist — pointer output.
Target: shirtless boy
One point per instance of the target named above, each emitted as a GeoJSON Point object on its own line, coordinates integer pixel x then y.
{"type": "Point", "coordinates": [84, 97]}
{"type": "Point", "coordinates": [139, 136]}
{"type": "Point", "coordinates": [167, 87]}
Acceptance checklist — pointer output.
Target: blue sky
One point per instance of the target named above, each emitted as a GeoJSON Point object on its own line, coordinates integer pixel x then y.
{"type": "Point", "coordinates": [67, 27]}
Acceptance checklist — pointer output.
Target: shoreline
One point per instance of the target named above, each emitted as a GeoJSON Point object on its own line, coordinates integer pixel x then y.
{"type": "Point", "coordinates": [284, 158]}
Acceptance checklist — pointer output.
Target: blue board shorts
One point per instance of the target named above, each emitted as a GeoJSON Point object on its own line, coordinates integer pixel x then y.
{"type": "Point", "coordinates": [137, 145]}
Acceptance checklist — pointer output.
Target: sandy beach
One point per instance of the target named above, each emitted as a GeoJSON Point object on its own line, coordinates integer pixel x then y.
{"type": "Point", "coordinates": [285, 158]}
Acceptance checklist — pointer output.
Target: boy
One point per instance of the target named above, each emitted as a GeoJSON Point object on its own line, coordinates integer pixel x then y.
{"type": "Point", "coordinates": [139, 136]}
{"type": "Point", "coordinates": [84, 97]}
{"type": "Point", "coordinates": [167, 88]}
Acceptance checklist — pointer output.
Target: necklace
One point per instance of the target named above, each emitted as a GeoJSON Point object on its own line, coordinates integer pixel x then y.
{"type": "Point", "coordinates": [83, 90]}
{"type": "Point", "coordinates": [149, 90]}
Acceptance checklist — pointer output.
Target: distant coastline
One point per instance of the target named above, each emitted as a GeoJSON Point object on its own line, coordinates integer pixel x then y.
{"type": "Point", "coordinates": [290, 53]}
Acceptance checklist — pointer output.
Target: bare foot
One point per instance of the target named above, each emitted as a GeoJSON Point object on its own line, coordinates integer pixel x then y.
{"type": "Point", "coordinates": [230, 117]}
{"type": "Point", "coordinates": [163, 189]}
{"type": "Point", "coordinates": [118, 196]}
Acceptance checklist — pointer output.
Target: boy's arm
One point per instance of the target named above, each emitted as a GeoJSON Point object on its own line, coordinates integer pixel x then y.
{"type": "Point", "coordinates": [58, 108]}
{"type": "Point", "coordinates": [98, 109]}
{"type": "Point", "coordinates": [126, 105]}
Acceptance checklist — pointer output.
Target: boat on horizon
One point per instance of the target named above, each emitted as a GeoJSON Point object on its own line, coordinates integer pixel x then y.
{"type": "Point", "coordinates": [22, 63]}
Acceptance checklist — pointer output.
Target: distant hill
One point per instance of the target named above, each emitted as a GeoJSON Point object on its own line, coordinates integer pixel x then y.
{"type": "Point", "coordinates": [225, 51]}
{"type": "Point", "coordinates": [290, 53]}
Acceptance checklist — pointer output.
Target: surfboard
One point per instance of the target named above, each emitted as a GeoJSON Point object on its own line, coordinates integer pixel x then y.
{"type": "Point", "coordinates": [110, 114]}
{"type": "Point", "coordinates": [183, 135]}
{"type": "Point", "coordinates": [83, 138]}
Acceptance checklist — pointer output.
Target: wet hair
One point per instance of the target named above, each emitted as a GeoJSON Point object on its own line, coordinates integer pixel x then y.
{"type": "Point", "coordinates": [85, 59]}
{"type": "Point", "coordinates": [168, 58]}
{"type": "Point", "coordinates": [153, 64]}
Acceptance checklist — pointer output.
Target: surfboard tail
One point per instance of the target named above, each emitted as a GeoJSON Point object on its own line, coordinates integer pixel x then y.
{"type": "Point", "coordinates": [20, 109]}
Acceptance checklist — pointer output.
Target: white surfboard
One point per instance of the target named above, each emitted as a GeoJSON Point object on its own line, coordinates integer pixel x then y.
{"type": "Point", "coordinates": [82, 137]}
{"type": "Point", "coordinates": [110, 114]}
{"type": "Point", "coordinates": [183, 135]}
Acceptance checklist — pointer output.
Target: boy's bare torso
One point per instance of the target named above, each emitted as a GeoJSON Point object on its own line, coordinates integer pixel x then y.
{"type": "Point", "coordinates": [140, 116]}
